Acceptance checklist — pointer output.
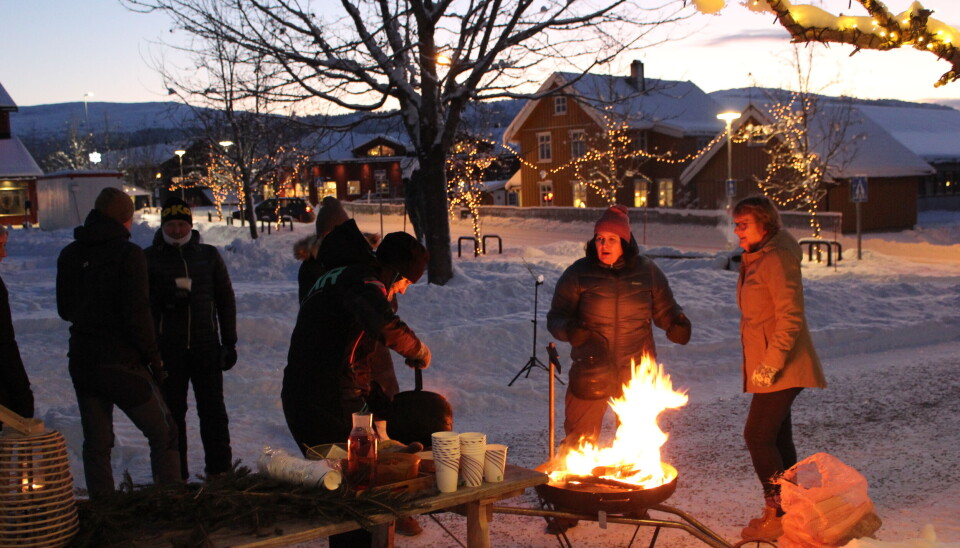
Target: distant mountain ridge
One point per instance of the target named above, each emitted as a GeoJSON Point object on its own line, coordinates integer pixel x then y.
{"type": "Point", "coordinates": [44, 121]}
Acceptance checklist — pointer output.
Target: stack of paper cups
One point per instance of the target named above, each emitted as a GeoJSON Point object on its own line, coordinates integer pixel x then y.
{"type": "Point", "coordinates": [494, 462]}
{"type": "Point", "coordinates": [473, 446]}
{"type": "Point", "coordinates": [446, 460]}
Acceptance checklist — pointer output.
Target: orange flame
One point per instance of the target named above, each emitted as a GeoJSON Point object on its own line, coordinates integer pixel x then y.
{"type": "Point", "coordinates": [634, 456]}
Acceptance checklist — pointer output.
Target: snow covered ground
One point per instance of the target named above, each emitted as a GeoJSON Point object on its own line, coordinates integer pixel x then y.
{"type": "Point", "coordinates": [885, 328]}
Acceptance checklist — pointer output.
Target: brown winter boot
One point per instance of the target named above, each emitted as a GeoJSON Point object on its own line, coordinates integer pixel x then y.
{"type": "Point", "coordinates": [408, 527]}
{"type": "Point", "coordinates": [766, 527]}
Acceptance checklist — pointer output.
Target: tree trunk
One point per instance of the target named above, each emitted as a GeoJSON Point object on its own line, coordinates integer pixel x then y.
{"type": "Point", "coordinates": [248, 211]}
{"type": "Point", "coordinates": [436, 219]}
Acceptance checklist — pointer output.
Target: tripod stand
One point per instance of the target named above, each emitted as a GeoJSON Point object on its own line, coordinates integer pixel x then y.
{"type": "Point", "coordinates": [534, 361]}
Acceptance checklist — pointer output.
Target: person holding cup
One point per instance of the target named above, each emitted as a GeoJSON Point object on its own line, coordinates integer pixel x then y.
{"type": "Point", "coordinates": [195, 313]}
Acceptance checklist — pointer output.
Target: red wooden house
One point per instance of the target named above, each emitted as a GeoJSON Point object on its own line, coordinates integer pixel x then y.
{"type": "Point", "coordinates": [667, 121]}
{"type": "Point", "coordinates": [18, 171]}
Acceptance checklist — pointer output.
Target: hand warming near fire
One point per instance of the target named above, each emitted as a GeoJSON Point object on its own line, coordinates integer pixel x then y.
{"type": "Point", "coordinates": [779, 359]}
{"type": "Point", "coordinates": [605, 305]}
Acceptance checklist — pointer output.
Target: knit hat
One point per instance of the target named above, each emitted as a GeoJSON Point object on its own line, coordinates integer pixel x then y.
{"type": "Point", "coordinates": [175, 209]}
{"type": "Point", "coordinates": [614, 220]}
{"type": "Point", "coordinates": [404, 253]}
{"type": "Point", "coordinates": [114, 203]}
{"type": "Point", "coordinates": [330, 215]}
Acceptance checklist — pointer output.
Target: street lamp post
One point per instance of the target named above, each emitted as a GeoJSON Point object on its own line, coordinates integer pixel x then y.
{"type": "Point", "coordinates": [180, 154]}
{"type": "Point", "coordinates": [729, 117]}
{"type": "Point", "coordinates": [86, 117]}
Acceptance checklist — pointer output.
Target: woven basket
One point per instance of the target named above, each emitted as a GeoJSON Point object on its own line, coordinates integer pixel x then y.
{"type": "Point", "coordinates": [37, 506]}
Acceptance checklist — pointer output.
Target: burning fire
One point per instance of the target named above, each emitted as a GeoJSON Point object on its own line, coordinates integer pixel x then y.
{"type": "Point", "coordinates": [634, 457]}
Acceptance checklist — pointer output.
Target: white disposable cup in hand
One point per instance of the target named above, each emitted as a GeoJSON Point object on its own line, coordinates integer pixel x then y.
{"type": "Point", "coordinates": [183, 283]}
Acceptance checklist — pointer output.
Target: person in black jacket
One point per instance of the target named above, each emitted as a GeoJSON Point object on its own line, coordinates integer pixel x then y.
{"type": "Point", "coordinates": [605, 305]}
{"type": "Point", "coordinates": [195, 313]}
{"type": "Point", "coordinates": [102, 291]}
{"type": "Point", "coordinates": [327, 376]}
{"type": "Point", "coordinates": [15, 392]}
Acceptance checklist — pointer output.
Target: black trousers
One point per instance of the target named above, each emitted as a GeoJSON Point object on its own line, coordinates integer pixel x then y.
{"type": "Point", "coordinates": [769, 436]}
{"type": "Point", "coordinates": [200, 368]}
{"type": "Point", "coordinates": [131, 388]}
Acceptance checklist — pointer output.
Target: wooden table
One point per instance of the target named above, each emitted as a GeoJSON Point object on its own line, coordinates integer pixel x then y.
{"type": "Point", "coordinates": [476, 503]}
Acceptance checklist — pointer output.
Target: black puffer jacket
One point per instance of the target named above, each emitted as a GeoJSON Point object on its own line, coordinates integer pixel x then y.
{"type": "Point", "coordinates": [344, 245]}
{"type": "Point", "coordinates": [339, 322]}
{"type": "Point", "coordinates": [102, 291]}
{"type": "Point", "coordinates": [206, 316]}
{"type": "Point", "coordinates": [15, 392]}
{"type": "Point", "coordinates": [617, 302]}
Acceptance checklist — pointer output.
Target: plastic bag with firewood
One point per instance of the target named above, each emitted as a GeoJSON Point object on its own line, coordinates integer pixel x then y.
{"type": "Point", "coordinates": [826, 504]}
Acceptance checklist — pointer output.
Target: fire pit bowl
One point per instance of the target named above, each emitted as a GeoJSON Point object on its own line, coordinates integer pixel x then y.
{"type": "Point", "coordinates": [589, 498]}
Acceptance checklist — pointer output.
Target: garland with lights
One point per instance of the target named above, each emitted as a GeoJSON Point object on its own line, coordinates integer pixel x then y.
{"type": "Point", "coordinates": [881, 30]}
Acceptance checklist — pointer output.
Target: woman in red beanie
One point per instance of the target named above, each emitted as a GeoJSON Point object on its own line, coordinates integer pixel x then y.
{"type": "Point", "coordinates": [605, 305]}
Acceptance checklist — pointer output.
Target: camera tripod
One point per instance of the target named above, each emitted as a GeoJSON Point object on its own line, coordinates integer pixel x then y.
{"type": "Point", "coordinates": [534, 361]}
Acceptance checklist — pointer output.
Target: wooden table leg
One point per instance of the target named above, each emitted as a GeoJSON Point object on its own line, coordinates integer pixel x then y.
{"type": "Point", "coordinates": [479, 514]}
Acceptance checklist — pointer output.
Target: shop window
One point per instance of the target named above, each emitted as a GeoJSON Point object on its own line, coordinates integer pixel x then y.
{"type": "Point", "coordinates": [353, 188]}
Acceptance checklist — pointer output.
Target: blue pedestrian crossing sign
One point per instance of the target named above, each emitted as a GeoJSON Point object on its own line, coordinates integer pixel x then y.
{"type": "Point", "coordinates": [731, 188]}
{"type": "Point", "coordinates": [858, 189]}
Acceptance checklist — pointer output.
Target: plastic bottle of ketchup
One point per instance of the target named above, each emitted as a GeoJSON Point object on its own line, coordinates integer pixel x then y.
{"type": "Point", "coordinates": [362, 452]}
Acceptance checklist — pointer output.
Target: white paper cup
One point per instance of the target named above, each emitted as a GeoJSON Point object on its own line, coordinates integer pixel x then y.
{"type": "Point", "coordinates": [495, 460]}
{"type": "Point", "coordinates": [447, 474]}
{"type": "Point", "coordinates": [471, 469]}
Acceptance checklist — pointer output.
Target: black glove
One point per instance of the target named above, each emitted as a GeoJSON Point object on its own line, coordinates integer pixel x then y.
{"type": "Point", "coordinates": [680, 330]}
{"type": "Point", "coordinates": [157, 371]}
{"type": "Point", "coordinates": [578, 336]}
{"type": "Point", "coordinates": [421, 360]}
{"type": "Point", "coordinates": [228, 357]}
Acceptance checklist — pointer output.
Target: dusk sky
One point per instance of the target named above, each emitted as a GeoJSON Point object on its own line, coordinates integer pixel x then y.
{"type": "Point", "coordinates": [57, 51]}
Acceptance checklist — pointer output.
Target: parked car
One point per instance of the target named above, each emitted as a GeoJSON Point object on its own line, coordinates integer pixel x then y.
{"type": "Point", "coordinates": [295, 208]}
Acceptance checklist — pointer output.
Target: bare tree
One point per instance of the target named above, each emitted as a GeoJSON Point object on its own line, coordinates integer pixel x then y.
{"type": "Point", "coordinates": [428, 58]}
{"type": "Point", "coordinates": [810, 139]}
{"type": "Point", "coordinates": [251, 146]}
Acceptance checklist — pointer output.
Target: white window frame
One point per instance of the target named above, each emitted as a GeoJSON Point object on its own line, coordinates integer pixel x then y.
{"type": "Point", "coordinates": [641, 193]}
{"type": "Point", "coordinates": [544, 147]}
{"type": "Point", "coordinates": [559, 105]}
{"type": "Point", "coordinates": [578, 143]}
{"type": "Point", "coordinates": [665, 192]}
{"type": "Point", "coordinates": [545, 187]}
{"type": "Point", "coordinates": [579, 194]}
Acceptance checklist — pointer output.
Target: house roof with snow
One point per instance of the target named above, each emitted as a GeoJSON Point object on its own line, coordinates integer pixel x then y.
{"type": "Point", "coordinates": [872, 152]}
{"type": "Point", "coordinates": [16, 161]}
{"type": "Point", "coordinates": [675, 108]}
{"type": "Point", "coordinates": [931, 133]}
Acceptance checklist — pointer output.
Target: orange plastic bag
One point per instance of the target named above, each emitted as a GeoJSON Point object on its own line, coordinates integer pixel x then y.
{"type": "Point", "coordinates": [825, 502]}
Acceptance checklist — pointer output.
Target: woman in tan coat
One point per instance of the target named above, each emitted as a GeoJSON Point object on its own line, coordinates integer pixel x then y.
{"type": "Point", "coordinates": [779, 360]}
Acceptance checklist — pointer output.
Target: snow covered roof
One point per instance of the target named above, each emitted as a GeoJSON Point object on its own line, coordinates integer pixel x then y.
{"type": "Point", "coordinates": [931, 133]}
{"type": "Point", "coordinates": [673, 107]}
{"type": "Point", "coordinates": [15, 159]}
{"type": "Point", "coordinates": [873, 152]}
{"type": "Point", "coordinates": [6, 102]}
{"type": "Point", "coordinates": [340, 147]}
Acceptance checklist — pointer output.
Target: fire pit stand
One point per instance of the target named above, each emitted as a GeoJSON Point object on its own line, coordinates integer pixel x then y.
{"type": "Point", "coordinates": [685, 522]}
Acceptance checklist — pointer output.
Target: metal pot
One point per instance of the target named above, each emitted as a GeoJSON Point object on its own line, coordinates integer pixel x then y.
{"type": "Point", "coordinates": [590, 499]}
{"type": "Point", "coordinates": [416, 414]}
